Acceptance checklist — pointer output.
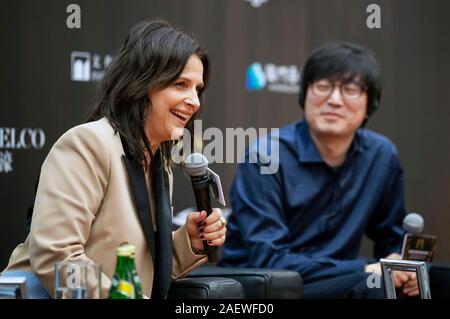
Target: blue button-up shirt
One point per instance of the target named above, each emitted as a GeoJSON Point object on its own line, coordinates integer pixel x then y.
{"type": "Point", "coordinates": [310, 217]}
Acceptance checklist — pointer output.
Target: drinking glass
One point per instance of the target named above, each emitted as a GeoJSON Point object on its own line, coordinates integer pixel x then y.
{"type": "Point", "coordinates": [77, 280]}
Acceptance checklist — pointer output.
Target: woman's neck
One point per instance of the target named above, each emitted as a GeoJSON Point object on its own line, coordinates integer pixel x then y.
{"type": "Point", "coordinates": [151, 137]}
{"type": "Point", "coordinates": [154, 147]}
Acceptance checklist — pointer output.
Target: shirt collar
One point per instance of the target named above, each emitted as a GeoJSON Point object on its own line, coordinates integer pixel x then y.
{"type": "Point", "coordinates": [307, 150]}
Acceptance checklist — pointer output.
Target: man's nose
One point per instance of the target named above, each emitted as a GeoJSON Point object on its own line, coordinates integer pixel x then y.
{"type": "Point", "coordinates": [335, 96]}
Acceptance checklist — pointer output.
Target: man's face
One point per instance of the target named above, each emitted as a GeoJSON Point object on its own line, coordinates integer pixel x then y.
{"type": "Point", "coordinates": [334, 109]}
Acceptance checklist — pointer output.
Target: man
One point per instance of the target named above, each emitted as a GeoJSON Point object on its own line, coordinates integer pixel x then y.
{"type": "Point", "coordinates": [336, 182]}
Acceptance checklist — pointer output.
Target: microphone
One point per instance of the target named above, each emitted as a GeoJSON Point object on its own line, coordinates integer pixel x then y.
{"type": "Point", "coordinates": [417, 246]}
{"type": "Point", "coordinates": [196, 166]}
{"type": "Point", "coordinates": [413, 223]}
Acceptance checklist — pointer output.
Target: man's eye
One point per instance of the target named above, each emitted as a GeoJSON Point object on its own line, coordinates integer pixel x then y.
{"type": "Point", "coordinates": [323, 87]}
{"type": "Point", "coordinates": [351, 88]}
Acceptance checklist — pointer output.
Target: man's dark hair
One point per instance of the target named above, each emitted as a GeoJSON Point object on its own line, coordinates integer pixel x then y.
{"type": "Point", "coordinates": [153, 56]}
{"type": "Point", "coordinates": [344, 62]}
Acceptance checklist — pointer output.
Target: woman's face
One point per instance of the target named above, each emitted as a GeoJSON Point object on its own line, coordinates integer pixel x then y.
{"type": "Point", "coordinates": [173, 106]}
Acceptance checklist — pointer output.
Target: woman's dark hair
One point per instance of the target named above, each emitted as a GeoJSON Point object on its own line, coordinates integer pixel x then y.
{"type": "Point", "coordinates": [153, 56]}
{"type": "Point", "coordinates": [344, 62]}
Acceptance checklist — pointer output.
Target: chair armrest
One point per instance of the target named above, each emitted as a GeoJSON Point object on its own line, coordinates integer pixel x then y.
{"type": "Point", "coordinates": [258, 283]}
{"type": "Point", "coordinates": [206, 288]}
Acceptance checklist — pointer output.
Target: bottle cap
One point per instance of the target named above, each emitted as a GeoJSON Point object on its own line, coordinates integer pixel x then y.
{"type": "Point", "coordinates": [123, 250]}
{"type": "Point", "coordinates": [132, 250]}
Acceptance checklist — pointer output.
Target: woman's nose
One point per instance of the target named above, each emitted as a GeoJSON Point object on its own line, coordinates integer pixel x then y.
{"type": "Point", "coordinates": [193, 100]}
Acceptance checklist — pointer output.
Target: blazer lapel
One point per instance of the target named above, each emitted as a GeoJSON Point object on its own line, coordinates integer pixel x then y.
{"type": "Point", "coordinates": [163, 267]}
{"type": "Point", "coordinates": [140, 193]}
{"type": "Point", "coordinates": [160, 243]}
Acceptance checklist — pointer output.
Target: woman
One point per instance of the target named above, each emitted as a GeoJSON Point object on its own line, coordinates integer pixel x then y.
{"type": "Point", "coordinates": [109, 181]}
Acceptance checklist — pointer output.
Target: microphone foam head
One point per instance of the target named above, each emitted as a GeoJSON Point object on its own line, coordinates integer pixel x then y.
{"type": "Point", "coordinates": [195, 164]}
{"type": "Point", "coordinates": [413, 223]}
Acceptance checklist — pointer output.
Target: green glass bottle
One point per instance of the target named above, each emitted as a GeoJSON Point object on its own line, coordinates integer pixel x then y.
{"type": "Point", "coordinates": [134, 275]}
{"type": "Point", "coordinates": [122, 286]}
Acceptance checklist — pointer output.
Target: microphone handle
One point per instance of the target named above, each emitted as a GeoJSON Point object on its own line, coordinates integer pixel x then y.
{"type": "Point", "coordinates": [200, 185]}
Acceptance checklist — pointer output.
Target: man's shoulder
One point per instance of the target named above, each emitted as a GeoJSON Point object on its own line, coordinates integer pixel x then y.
{"type": "Point", "coordinates": [277, 140]}
{"type": "Point", "coordinates": [288, 132]}
{"type": "Point", "coordinates": [376, 141]}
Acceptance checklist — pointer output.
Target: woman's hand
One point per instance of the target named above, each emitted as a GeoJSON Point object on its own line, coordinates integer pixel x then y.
{"type": "Point", "coordinates": [200, 227]}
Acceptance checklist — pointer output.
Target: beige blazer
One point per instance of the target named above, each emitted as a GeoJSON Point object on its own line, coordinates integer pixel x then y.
{"type": "Point", "coordinates": [85, 208]}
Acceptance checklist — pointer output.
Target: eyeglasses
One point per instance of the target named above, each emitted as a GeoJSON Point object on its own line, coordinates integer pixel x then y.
{"type": "Point", "coordinates": [349, 91]}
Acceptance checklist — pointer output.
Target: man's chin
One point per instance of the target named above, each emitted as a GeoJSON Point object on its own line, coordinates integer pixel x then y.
{"type": "Point", "coordinates": [329, 130]}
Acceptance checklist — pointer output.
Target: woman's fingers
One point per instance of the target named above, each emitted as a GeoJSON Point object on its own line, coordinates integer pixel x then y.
{"type": "Point", "coordinates": [213, 235]}
{"type": "Point", "coordinates": [217, 242]}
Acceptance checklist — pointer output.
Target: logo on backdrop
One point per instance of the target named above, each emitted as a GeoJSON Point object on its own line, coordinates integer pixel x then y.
{"type": "Point", "coordinates": [87, 66]}
{"type": "Point", "coordinates": [5, 162]}
{"type": "Point", "coordinates": [275, 78]}
{"type": "Point", "coordinates": [18, 139]}
{"type": "Point", "coordinates": [256, 3]}
{"type": "Point", "coordinates": [256, 78]}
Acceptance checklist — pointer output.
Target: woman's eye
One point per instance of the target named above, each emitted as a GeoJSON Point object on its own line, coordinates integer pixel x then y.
{"type": "Point", "coordinates": [180, 85]}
